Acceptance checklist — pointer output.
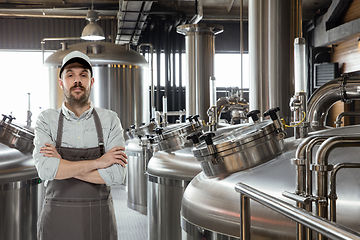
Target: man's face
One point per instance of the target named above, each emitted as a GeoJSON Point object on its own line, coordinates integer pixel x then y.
{"type": "Point", "coordinates": [76, 83]}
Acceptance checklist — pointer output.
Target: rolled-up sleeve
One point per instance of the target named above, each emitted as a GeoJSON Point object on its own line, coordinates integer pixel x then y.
{"type": "Point", "coordinates": [46, 166]}
{"type": "Point", "coordinates": [115, 174]}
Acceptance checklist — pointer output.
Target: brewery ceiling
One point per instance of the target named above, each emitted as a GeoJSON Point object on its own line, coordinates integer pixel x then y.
{"type": "Point", "coordinates": [133, 14]}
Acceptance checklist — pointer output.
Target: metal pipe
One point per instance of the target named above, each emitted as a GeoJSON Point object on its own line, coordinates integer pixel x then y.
{"type": "Point", "coordinates": [180, 99]}
{"type": "Point", "coordinates": [173, 95]}
{"type": "Point", "coordinates": [54, 39]}
{"type": "Point", "coordinates": [245, 217]}
{"type": "Point", "coordinates": [344, 89]}
{"type": "Point", "coordinates": [241, 47]}
{"type": "Point", "coordinates": [332, 195]}
{"type": "Point", "coordinates": [199, 12]}
{"type": "Point", "coordinates": [323, 226]}
{"type": "Point", "coordinates": [309, 150]}
{"type": "Point", "coordinates": [301, 180]}
{"type": "Point", "coordinates": [322, 167]}
{"type": "Point", "coordinates": [338, 121]}
{"type": "Point", "coordinates": [229, 104]}
{"type": "Point", "coordinates": [152, 101]}
{"type": "Point", "coordinates": [200, 51]}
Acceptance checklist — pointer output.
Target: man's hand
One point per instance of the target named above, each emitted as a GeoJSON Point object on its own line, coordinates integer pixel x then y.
{"type": "Point", "coordinates": [114, 155]}
{"type": "Point", "coordinates": [50, 151]}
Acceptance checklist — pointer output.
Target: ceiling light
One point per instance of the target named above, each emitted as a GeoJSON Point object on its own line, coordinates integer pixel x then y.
{"type": "Point", "coordinates": [92, 31]}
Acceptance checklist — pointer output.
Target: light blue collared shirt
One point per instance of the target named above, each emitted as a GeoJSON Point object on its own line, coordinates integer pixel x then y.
{"type": "Point", "coordinates": [78, 132]}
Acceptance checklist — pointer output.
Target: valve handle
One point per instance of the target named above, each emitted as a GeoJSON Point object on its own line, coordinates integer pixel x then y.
{"type": "Point", "coordinates": [132, 126]}
{"type": "Point", "coordinates": [158, 131]}
{"type": "Point", "coordinates": [4, 117]}
{"type": "Point", "coordinates": [190, 118]}
{"type": "Point", "coordinates": [208, 138]}
{"type": "Point", "coordinates": [272, 112]}
{"type": "Point", "coordinates": [152, 120]}
{"type": "Point", "coordinates": [196, 117]}
{"type": "Point", "coordinates": [254, 114]}
{"type": "Point", "coordinates": [194, 137]}
{"type": "Point", "coordinates": [11, 118]}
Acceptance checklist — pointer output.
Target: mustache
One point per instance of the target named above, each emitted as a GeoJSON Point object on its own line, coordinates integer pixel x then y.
{"type": "Point", "coordinates": [78, 86]}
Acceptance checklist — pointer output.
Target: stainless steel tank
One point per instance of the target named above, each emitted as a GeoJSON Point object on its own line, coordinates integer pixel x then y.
{"type": "Point", "coordinates": [21, 189]}
{"type": "Point", "coordinates": [169, 172]}
{"type": "Point", "coordinates": [210, 206]}
{"type": "Point", "coordinates": [120, 80]}
{"type": "Point", "coordinates": [140, 148]}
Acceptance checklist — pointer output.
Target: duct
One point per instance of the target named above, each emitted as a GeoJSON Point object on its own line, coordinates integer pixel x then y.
{"type": "Point", "coordinates": [343, 89]}
{"type": "Point", "coordinates": [131, 20]}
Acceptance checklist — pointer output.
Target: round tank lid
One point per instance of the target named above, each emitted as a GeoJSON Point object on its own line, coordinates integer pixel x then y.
{"type": "Point", "coordinates": [201, 27]}
{"type": "Point", "coordinates": [100, 53]}
{"type": "Point", "coordinates": [238, 137]}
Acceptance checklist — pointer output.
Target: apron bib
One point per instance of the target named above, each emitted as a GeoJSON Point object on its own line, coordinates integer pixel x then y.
{"type": "Point", "coordinates": [74, 209]}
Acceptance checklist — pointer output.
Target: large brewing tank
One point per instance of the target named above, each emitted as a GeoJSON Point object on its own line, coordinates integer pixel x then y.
{"type": "Point", "coordinates": [140, 147]}
{"type": "Point", "coordinates": [169, 171]}
{"type": "Point", "coordinates": [120, 80]}
{"type": "Point", "coordinates": [21, 189]}
{"type": "Point", "coordinates": [210, 206]}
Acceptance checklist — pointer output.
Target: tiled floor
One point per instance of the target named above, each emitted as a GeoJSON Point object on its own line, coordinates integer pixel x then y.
{"type": "Point", "coordinates": [132, 225]}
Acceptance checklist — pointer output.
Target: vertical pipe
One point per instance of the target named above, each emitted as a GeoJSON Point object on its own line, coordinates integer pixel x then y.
{"type": "Point", "coordinates": [244, 217]}
{"type": "Point", "coordinates": [241, 48]}
{"type": "Point", "coordinates": [158, 63]}
{"type": "Point", "coordinates": [181, 107]}
{"type": "Point", "coordinates": [166, 50]}
{"type": "Point", "coordinates": [200, 50]}
{"type": "Point", "coordinates": [280, 43]}
{"type": "Point", "coordinates": [173, 92]}
{"type": "Point", "coordinates": [258, 46]}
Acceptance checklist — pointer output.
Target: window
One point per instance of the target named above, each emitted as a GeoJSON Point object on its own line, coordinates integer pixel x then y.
{"type": "Point", "coordinates": [23, 73]}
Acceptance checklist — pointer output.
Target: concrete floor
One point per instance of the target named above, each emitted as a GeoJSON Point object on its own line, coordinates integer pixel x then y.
{"type": "Point", "coordinates": [132, 225]}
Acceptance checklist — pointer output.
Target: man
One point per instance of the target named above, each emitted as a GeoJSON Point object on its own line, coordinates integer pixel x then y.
{"type": "Point", "coordinates": [79, 153]}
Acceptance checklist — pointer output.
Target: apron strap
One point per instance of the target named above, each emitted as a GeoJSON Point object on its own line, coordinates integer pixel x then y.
{"type": "Point", "coordinates": [60, 130]}
{"type": "Point", "coordinates": [97, 125]}
{"type": "Point", "coordinates": [99, 131]}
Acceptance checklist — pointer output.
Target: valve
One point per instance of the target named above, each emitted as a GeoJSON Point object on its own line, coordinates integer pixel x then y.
{"type": "Point", "coordinates": [272, 112]}
{"type": "Point", "coordinates": [190, 118]}
{"type": "Point", "coordinates": [254, 114]}
{"type": "Point", "coordinates": [196, 118]}
{"type": "Point", "coordinates": [158, 131]}
{"type": "Point", "coordinates": [210, 146]}
{"type": "Point", "coordinates": [194, 137]}
{"type": "Point", "coordinates": [208, 138]}
{"type": "Point", "coordinates": [132, 126]}
{"type": "Point", "coordinates": [4, 117]}
{"type": "Point", "coordinates": [152, 120]}
{"type": "Point", "coordinates": [11, 118]}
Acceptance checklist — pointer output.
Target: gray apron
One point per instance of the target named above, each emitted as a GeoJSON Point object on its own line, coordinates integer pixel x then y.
{"type": "Point", "coordinates": [74, 209]}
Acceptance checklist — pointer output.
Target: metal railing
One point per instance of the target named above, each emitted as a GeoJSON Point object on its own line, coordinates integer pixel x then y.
{"type": "Point", "coordinates": [323, 226]}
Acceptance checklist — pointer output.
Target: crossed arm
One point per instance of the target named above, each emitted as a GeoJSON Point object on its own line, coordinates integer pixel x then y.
{"type": "Point", "coordinates": [85, 170]}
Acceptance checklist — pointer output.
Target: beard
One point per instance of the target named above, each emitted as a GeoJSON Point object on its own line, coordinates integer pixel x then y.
{"type": "Point", "coordinates": [77, 98]}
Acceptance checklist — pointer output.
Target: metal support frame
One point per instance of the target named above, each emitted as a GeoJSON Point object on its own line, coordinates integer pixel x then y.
{"type": "Point", "coordinates": [323, 226]}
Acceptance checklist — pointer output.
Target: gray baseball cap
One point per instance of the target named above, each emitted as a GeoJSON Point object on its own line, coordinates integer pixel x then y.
{"type": "Point", "coordinates": [76, 57]}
